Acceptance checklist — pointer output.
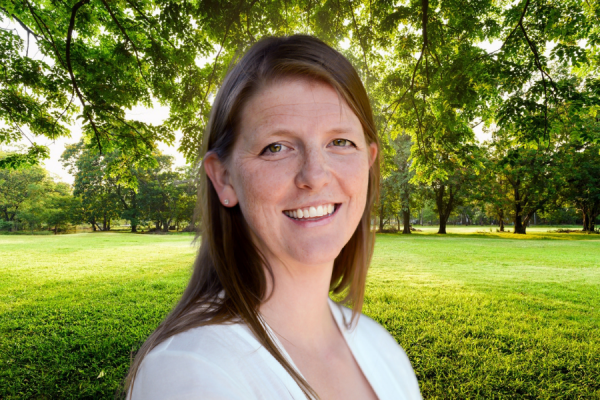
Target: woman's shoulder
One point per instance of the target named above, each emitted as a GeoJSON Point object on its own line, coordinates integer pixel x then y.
{"type": "Point", "coordinates": [214, 342]}
{"type": "Point", "coordinates": [206, 360]}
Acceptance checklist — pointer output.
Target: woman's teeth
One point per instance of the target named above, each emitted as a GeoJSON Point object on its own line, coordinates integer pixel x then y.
{"type": "Point", "coordinates": [311, 212]}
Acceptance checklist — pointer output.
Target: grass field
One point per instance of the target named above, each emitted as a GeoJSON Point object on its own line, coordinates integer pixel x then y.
{"type": "Point", "coordinates": [481, 315]}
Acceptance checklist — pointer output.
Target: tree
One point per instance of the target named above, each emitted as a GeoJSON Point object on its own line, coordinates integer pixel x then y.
{"type": "Point", "coordinates": [160, 194]}
{"type": "Point", "coordinates": [389, 203]}
{"type": "Point", "coordinates": [61, 207]}
{"type": "Point", "coordinates": [16, 187]}
{"type": "Point", "coordinates": [582, 182]}
{"type": "Point", "coordinates": [494, 188]}
{"type": "Point", "coordinates": [532, 176]}
{"type": "Point", "coordinates": [188, 194]}
{"type": "Point", "coordinates": [98, 193]}
{"type": "Point", "coordinates": [402, 147]}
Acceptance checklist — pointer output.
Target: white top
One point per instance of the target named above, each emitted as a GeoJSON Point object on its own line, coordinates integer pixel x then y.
{"type": "Point", "coordinates": [227, 362]}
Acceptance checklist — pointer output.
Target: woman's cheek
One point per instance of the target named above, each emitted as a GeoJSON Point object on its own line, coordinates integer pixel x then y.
{"type": "Point", "coordinates": [262, 181]}
{"type": "Point", "coordinates": [352, 170]}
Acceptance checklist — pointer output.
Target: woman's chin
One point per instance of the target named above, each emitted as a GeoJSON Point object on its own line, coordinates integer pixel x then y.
{"type": "Point", "coordinates": [314, 253]}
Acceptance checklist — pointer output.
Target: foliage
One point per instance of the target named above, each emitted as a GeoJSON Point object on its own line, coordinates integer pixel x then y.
{"type": "Point", "coordinates": [582, 182]}
{"type": "Point", "coordinates": [17, 187]}
{"type": "Point", "coordinates": [159, 193]}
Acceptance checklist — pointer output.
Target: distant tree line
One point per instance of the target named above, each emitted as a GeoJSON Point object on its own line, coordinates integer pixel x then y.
{"type": "Point", "coordinates": [521, 187]}
{"type": "Point", "coordinates": [160, 199]}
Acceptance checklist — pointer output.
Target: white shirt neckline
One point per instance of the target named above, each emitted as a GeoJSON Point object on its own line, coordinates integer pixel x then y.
{"type": "Point", "coordinates": [347, 334]}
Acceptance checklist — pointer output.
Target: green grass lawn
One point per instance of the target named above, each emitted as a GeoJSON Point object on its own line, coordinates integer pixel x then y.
{"type": "Point", "coordinates": [480, 314]}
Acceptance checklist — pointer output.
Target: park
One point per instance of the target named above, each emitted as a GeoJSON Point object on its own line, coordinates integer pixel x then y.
{"type": "Point", "coordinates": [486, 114]}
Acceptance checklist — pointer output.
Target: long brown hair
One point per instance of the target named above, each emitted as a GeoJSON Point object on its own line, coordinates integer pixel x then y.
{"type": "Point", "coordinates": [228, 283]}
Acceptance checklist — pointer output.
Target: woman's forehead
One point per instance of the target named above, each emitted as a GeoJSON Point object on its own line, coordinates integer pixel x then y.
{"type": "Point", "coordinates": [297, 101]}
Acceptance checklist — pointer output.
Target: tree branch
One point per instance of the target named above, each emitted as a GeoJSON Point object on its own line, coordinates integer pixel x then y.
{"type": "Point", "coordinates": [41, 25]}
{"type": "Point", "coordinates": [86, 113]}
{"type": "Point", "coordinates": [411, 87]}
{"type": "Point", "coordinates": [544, 74]}
{"type": "Point", "coordinates": [516, 26]}
{"type": "Point", "coordinates": [362, 45]}
{"type": "Point", "coordinates": [21, 23]}
{"type": "Point", "coordinates": [141, 14]}
{"type": "Point", "coordinates": [212, 74]}
{"type": "Point", "coordinates": [420, 143]}
{"type": "Point", "coordinates": [424, 9]}
{"type": "Point", "coordinates": [124, 32]}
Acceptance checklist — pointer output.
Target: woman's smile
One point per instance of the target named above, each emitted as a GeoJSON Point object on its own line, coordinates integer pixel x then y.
{"type": "Point", "coordinates": [311, 216]}
{"type": "Point", "coordinates": [311, 212]}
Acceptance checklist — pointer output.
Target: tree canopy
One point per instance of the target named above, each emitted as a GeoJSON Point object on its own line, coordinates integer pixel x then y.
{"type": "Point", "coordinates": [525, 72]}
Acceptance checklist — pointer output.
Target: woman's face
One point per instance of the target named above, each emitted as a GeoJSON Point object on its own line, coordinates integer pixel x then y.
{"type": "Point", "coordinates": [300, 171]}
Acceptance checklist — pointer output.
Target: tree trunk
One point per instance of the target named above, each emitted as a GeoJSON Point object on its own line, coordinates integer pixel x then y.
{"type": "Point", "coordinates": [442, 229]}
{"type": "Point", "coordinates": [134, 220]}
{"type": "Point", "coordinates": [381, 218]}
{"type": "Point", "coordinates": [527, 221]}
{"type": "Point", "coordinates": [501, 219]}
{"type": "Point", "coordinates": [444, 210]}
{"type": "Point", "coordinates": [589, 218]}
{"type": "Point", "coordinates": [406, 221]}
{"type": "Point", "coordinates": [519, 227]}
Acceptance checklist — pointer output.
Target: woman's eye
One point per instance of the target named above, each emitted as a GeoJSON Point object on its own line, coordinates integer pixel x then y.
{"type": "Point", "coordinates": [342, 142]}
{"type": "Point", "coordinates": [273, 148]}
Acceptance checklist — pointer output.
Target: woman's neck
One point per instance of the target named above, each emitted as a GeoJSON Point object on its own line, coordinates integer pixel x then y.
{"type": "Point", "coordinates": [298, 308]}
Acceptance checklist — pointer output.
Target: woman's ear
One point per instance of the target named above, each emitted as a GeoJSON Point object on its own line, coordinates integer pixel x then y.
{"type": "Point", "coordinates": [218, 175]}
{"type": "Point", "coordinates": [372, 153]}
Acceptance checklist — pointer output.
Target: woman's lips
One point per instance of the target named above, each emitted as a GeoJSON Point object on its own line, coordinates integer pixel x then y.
{"type": "Point", "coordinates": [312, 213]}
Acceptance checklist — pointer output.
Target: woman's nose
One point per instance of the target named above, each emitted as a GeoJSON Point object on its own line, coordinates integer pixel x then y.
{"type": "Point", "coordinates": [314, 173]}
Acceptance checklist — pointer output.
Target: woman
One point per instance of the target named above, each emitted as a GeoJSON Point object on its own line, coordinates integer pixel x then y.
{"type": "Point", "coordinates": [290, 174]}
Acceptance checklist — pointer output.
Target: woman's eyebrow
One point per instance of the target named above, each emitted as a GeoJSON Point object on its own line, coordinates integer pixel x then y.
{"type": "Point", "coordinates": [342, 130]}
{"type": "Point", "coordinates": [280, 132]}
{"type": "Point", "coordinates": [290, 133]}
